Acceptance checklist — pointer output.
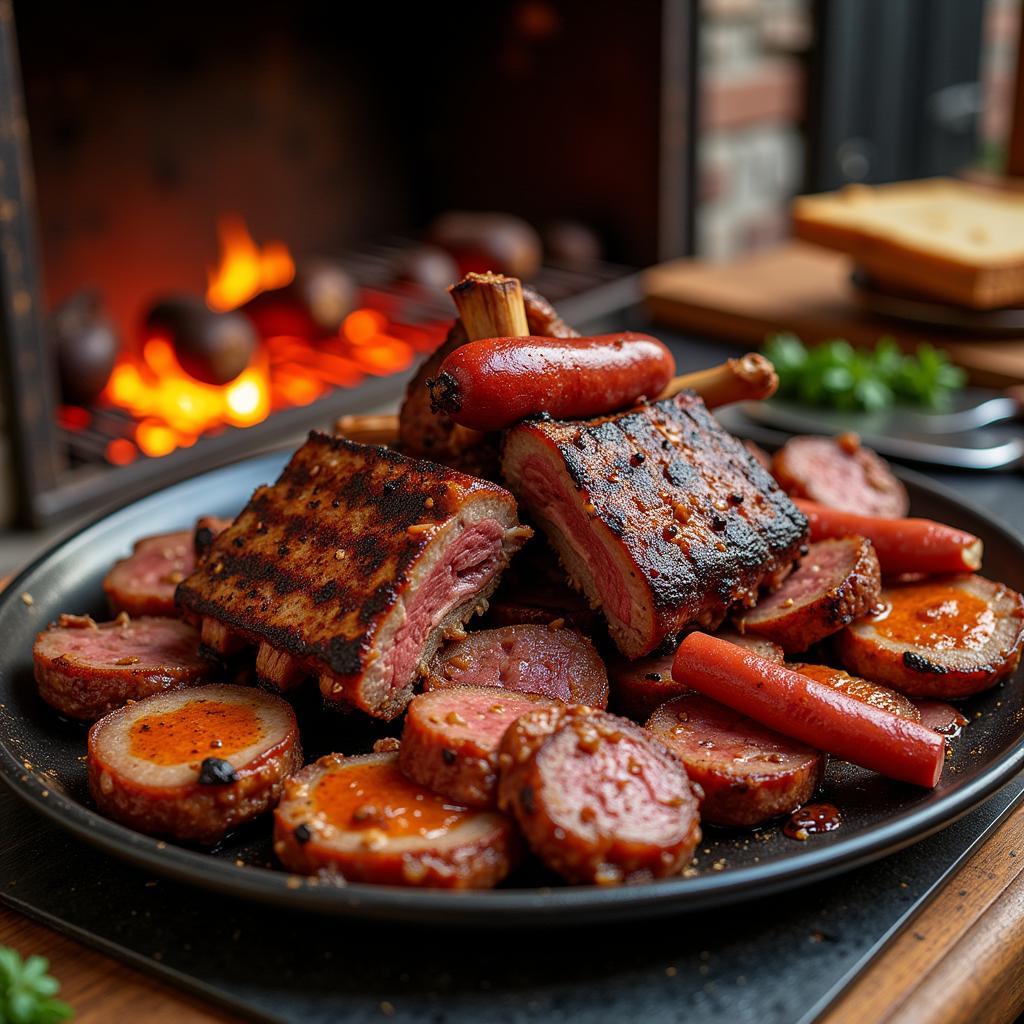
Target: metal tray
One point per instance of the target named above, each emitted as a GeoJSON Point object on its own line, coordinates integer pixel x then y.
{"type": "Point", "coordinates": [41, 757]}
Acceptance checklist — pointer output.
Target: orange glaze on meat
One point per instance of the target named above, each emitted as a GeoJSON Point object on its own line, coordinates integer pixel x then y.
{"type": "Point", "coordinates": [202, 728]}
{"type": "Point", "coordinates": [379, 796]}
{"type": "Point", "coordinates": [937, 616]}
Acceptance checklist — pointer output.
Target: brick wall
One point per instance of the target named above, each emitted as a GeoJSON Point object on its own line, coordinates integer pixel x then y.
{"type": "Point", "coordinates": [750, 155]}
{"type": "Point", "coordinates": [998, 71]}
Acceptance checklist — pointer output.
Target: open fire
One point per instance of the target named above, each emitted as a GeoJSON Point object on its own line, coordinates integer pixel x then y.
{"type": "Point", "coordinates": [170, 409]}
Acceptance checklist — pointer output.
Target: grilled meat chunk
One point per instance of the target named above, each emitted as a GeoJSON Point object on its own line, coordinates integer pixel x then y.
{"type": "Point", "coordinates": [353, 566]}
{"type": "Point", "coordinates": [430, 435]}
{"type": "Point", "coordinates": [837, 582]}
{"type": "Point", "coordinates": [662, 518]}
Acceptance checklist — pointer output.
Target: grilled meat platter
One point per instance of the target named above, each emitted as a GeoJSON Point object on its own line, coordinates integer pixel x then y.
{"type": "Point", "coordinates": [585, 623]}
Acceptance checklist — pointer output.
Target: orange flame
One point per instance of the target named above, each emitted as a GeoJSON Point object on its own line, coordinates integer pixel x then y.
{"type": "Point", "coordinates": [173, 410]}
{"type": "Point", "coordinates": [245, 268]}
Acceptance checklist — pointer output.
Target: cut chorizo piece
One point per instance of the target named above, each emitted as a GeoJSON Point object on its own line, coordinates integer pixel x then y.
{"type": "Point", "coordinates": [946, 638]}
{"type": "Point", "coordinates": [556, 662]}
{"type": "Point", "coordinates": [840, 473]}
{"type": "Point", "coordinates": [451, 738]}
{"type": "Point", "coordinates": [598, 798]}
{"type": "Point", "coordinates": [639, 687]}
{"type": "Point", "coordinates": [145, 581]}
{"type": "Point", "coordinates": [749, 773]}
{"type": "Point", "coordinates": [362, 819]}
{"type": "Point", "coordinates": [861, 689]}
{"type": "Point", "coordinates": [195, 764]}
{"type": "Point", "coordinates": [86, 669]}
{"type": "Point", "coordinates": [836, 582]}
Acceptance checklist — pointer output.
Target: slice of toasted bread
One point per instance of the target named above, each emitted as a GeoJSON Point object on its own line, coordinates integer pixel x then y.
{"type": "Point", "coordinates": [948, 239]}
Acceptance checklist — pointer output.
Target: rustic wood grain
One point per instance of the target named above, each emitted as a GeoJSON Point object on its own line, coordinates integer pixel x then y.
{"type": "Point", "coordinates": [805, 289]}
{"type": "Point", "coordinates": [100, 989]}
{"type": "Point", "coordinates": [958, 960]}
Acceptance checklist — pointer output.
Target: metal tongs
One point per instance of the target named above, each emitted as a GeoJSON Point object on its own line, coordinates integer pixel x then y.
{"type": "Point", "coordinates": [955, 438]}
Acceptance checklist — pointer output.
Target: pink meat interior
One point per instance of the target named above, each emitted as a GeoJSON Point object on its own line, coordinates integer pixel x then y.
{"type": "Point", "coordinates": [150, 641]}
{"type": "Point", "coordinates": [466, 567]}
{"type": "Point", "coordinates": [549, 492]}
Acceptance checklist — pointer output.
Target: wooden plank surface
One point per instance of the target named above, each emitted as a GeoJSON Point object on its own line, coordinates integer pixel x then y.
{"type": "Point", "coordinates": [101, 990]}
{"type": "Point", "coordinates": [961, 958]}
{"type": "Point", "coordinates": [804, 289]}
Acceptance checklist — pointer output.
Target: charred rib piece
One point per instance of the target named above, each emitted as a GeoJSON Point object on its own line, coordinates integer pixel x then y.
{"type": "Point", "coordinates": [352, 567]}
{"type": "Point", "coordinates": [662, 518]}
{"type": "Point", "coordinates": [434, 436]}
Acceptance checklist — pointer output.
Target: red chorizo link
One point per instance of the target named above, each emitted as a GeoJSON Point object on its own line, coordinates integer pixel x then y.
{"type": "Point", "coordinates": [491, 384]}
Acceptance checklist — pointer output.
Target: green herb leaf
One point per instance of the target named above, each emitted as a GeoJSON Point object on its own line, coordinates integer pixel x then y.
{"type": "Point", "coordinates": [26, 991]}
{"type": "Point", "coordinates": [835, 373]}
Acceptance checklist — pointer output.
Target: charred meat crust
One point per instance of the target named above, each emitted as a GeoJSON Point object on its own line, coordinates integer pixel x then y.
{"type": "Point", "coordinates": [701, 522]}
{"type": "Point", "coordinates": [314, 563]}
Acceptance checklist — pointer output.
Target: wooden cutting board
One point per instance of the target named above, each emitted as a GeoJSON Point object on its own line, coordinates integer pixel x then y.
{"type": "Point", "coordinates": [804, 289]}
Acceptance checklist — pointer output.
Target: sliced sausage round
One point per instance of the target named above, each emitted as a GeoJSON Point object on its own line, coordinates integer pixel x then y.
{"type": "Point", "coordinates": [145, 581]}
{"type": "Point", "coordinates": [749, 773]}
{"type": "Point", "coordinates": [451, 738]}
{"type": "Point", "coordinates": [840, 473]}
{"type": "Point", "coordinates": [362, 819]}
{"type": "Point", "coordinates": [639, 687]}
{"type": "Point", "coordinates": [193, 764]}
{"type": "Point", "coordinates": [836, 582]}
{"type": "Point", "coordinates": [861, 689]}
{"type": "Point", "coordinates": [558, 663]}
{"type": "Point", "coordinates": [85, 669]}
{"type": "Point", "coordinates": [947, 638]}
{"type": "Point", "coordinates": [598, 798]}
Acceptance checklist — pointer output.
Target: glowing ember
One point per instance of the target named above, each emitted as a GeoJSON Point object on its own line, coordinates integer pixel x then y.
{"type": "Point", "coordinates": [173, 410]}
{"type": "Point", "coordinates": [245, 269]}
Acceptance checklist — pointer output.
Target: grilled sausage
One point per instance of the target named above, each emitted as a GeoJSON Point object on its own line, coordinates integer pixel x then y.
{"type": "Point", "coordinates": [902, 545]}
{"type": "Point", "coordinates": [362, 819]}
{"type": "Point", "coordinates": [195, 764]}
{"type": "Point", "coordinates": [841, 474]}
{"type": "Point", "coordinates": [749, 773]}
{"type": "Point", "coordinates": [835, 583]}
{"type": "Point", "coordinates": [861, 689]}
{"type": "Point", "coordinates": [144, 582]}
{"type": "Point", "coordinates": [598, 798]}
{"type": "Point", "coordinates": [451, 737]}
{"type": "Point", "coordinates": [85, 669]}
{"type": "Point", "coordinates": [946, 638]}
{"type": "Point", "coordinates": [493, 383]}
{"type": "Point", "coordinates": [558, 663]}
{"type": "Point", "coordinates": [639, 687]}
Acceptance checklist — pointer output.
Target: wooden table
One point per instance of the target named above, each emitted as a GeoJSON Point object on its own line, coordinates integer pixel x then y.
{"type": "Point", "coordinates": [958, 960]}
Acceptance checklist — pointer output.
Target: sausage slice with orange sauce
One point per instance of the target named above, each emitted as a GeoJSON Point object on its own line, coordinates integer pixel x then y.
{"type": "Point", "coordinates": [193, 764]}
{"type": "Point", "coordinates": [361, 819]}
{"type": "Point", "coordinates": [947, 638]}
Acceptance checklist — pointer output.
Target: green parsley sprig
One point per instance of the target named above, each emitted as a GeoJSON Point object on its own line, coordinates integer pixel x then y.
{"type": "Point", "coordinates": [27, 991]}
{"type": "Point", "coordinates": [837, 374]}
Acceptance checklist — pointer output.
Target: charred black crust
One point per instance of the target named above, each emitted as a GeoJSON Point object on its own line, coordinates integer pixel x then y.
{"type": "Point", "coordinates": [340, 566]}
{"type": "Point", "coordinates": [634, 467]}
{"type": "Point", "coordinates": [215, 771]}
{"type": "Point", "coordinates": [445, 393]}
{"type": "Point", "coordinates": [919, 663]}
